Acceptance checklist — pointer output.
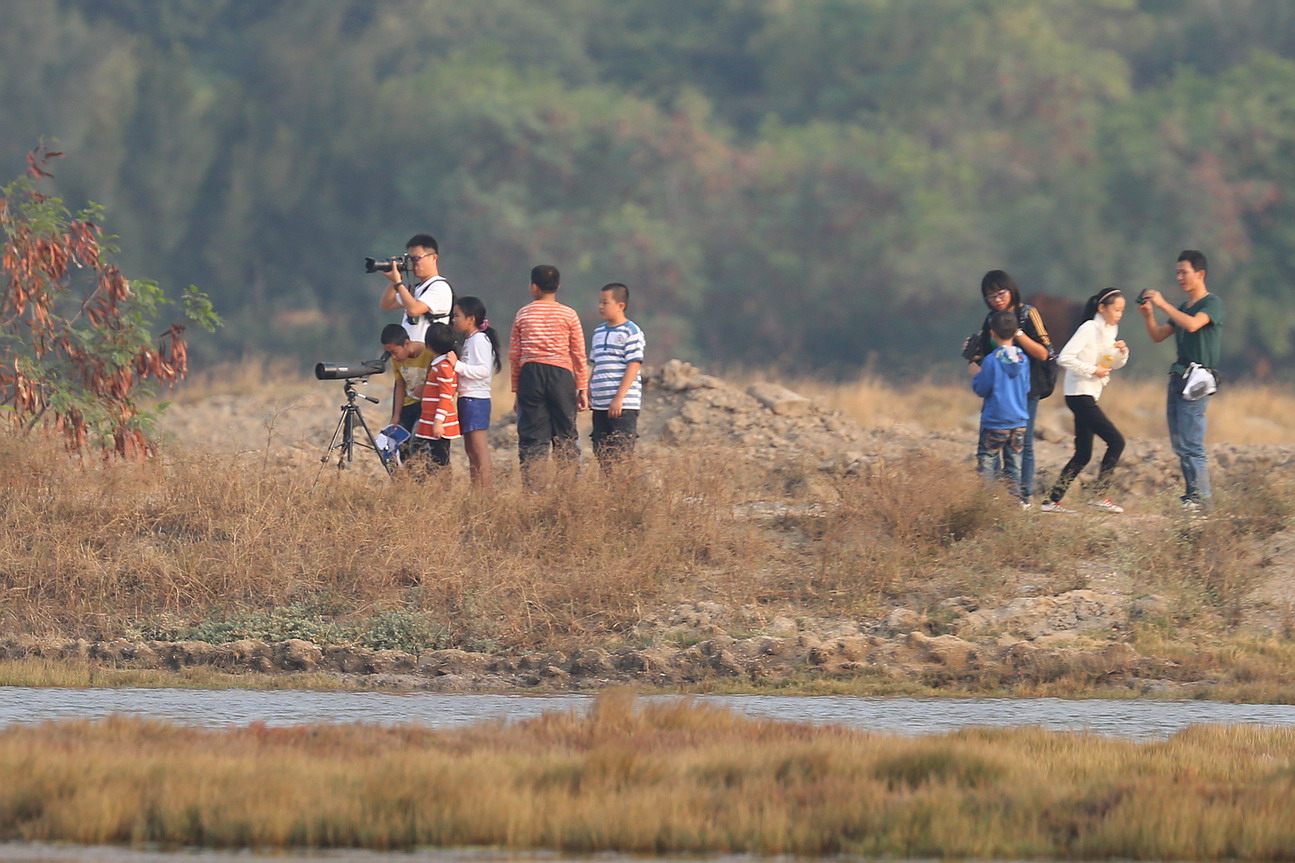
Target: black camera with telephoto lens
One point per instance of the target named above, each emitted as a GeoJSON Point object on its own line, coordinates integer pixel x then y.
{"type": "Point", "coordinates": [383, 265]}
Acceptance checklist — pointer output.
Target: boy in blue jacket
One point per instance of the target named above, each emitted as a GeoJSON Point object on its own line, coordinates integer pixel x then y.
{"type": "Point", "coordinates": [1003, 381]}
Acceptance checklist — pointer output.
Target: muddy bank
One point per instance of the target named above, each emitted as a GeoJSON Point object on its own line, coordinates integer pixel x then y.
{"type": "Point", "coordinates": [1078, 635]}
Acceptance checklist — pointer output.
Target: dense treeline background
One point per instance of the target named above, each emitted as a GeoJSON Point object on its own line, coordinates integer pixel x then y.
{"type": "Point", "coordinates": [818, 181]}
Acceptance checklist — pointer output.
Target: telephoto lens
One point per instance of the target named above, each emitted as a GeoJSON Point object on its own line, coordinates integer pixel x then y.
{"type": "Point", "coordinates": [341, 371]}
{"type": "Point", "coordinates": [384, 265]}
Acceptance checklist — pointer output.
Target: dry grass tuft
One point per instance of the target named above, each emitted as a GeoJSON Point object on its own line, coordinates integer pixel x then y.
{"type": "Point", "coordinates": [894, 524]}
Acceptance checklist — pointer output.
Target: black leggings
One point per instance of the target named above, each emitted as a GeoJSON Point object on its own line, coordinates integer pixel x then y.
{"type": "Point", "coordinates": [1089, 421]}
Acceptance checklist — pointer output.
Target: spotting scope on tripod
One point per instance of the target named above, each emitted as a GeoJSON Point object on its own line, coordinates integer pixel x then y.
{"type": "Point", "coordinates": [344, 441]}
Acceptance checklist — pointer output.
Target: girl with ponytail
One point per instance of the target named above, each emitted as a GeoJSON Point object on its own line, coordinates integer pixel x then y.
{"type": "Point", "coordinates": [479, 364]}
{"type": "Point", "coordinates": [1092, 353]}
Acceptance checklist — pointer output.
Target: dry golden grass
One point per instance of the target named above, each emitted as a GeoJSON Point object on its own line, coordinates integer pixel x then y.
{"type": "Point", "coordinates": [1243, 413]}
{"type": "Point", "coordinates": [200, 547]}
{"type": "Point", "coordinates": [209, 547]}
{"type": "Point", "coordinates": [149, 550]}
{"type": "Point", "coordinates": [651, 779]}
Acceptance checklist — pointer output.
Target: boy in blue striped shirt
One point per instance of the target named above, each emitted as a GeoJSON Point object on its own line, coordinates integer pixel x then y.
{"type": "Point", "coordinates": [615, 391]}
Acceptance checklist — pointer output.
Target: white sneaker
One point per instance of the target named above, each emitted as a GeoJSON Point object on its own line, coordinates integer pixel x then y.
{"type": "Point", "coordinates": [1105, 505]}
{"type": "Point", "coordinates": [1025, 504]}
{"type": "Point", "coordinates": [1190, 505]}
{"type": "Point", "coordinates": [1052, 506]}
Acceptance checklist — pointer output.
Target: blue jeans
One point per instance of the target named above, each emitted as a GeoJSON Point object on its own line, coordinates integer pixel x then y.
{"type": "Point", "coordinates": [1027, 452]}
{"type": "Point", "coordinates": [1187, 437]}
{"type": "Point", "coordinates": [998, 456]}
{"type": "Point", "coordinates": [1026, 478]}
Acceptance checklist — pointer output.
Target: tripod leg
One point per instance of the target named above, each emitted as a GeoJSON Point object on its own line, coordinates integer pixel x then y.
{"type": "Point", "coordinates": [337, 433]}
{"type": "Point", "coordinates": [373, 444]}
{"type": "Point", "coordinates": [348, 439]}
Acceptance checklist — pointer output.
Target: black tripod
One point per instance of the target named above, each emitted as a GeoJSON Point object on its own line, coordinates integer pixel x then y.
{"type": "Point", "coordinates": [344, 436]}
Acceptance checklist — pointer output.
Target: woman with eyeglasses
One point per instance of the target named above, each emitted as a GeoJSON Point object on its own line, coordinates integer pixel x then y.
{"type": "Point", "coordinates": [1000, 293]}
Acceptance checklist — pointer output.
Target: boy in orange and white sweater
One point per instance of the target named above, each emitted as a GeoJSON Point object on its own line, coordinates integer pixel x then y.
{"type": "Point", "coordinates": [439, 422]}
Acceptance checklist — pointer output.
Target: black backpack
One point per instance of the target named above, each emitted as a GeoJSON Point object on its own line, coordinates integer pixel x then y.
{"type": "Point", "coordinates": [1043, 373]}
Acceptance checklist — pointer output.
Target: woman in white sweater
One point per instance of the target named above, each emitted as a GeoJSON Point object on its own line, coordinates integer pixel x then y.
{"type": "Point", "coordinates": [1090, 356]}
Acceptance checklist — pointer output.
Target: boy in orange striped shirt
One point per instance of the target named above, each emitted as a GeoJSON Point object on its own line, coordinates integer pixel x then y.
{"type": "Point", "coordinates": [439, 422]}
{"type": "Point", "coordinates": [550, 373]}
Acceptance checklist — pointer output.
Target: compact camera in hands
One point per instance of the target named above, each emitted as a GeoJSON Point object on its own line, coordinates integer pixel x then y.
{"type": "Point", "coordinates": [404, 263]}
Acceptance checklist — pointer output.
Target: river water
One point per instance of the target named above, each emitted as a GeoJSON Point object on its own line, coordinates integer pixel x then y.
{"type": "Point", "coordinates": [1139, 719]}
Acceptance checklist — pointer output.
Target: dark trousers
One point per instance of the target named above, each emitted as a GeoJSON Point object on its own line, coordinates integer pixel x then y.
{"type": "Point", "coordinates": [409, 415]}
{"type": "Point", "coordinates": [613, 437]}
{"type": "Point", "coordinates": [1089, 421]}
{"type": "Point", "coordinates": [428, 456]}
{"type": "Point", "coordinates": [546, 414]}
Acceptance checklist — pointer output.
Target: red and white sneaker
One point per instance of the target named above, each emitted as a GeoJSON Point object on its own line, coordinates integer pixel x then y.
{"type": "Point", "coordinates": [1105, 505]}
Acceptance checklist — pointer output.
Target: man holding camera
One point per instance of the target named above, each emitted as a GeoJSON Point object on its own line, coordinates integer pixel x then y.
{"type": "Point", "coordinates": [1195, 325]}
{"type": "Point", "coordinates": [429, 299]}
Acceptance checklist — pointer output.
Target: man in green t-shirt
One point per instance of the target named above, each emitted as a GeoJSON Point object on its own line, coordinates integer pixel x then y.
{"type": "Point", "coordinates": [1196, 326]}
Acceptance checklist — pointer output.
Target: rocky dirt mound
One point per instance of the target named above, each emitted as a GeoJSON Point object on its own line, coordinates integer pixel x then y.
{"type": "Point", "coordinates": [766, 420]}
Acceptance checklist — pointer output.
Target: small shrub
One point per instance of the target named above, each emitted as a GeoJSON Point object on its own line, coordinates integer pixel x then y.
{"type": "Point", "coordinates": [410, 631]}
{"type": "Point", "coordinates": [893, 525]}
{"type": "Point", "coordinates": [280, 624]}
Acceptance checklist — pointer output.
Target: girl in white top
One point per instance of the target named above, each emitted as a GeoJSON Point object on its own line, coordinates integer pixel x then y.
{"type": "Point", "coordinates": [479, 364]}
{"type": "Point", "coordinates": [1092, 353]}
